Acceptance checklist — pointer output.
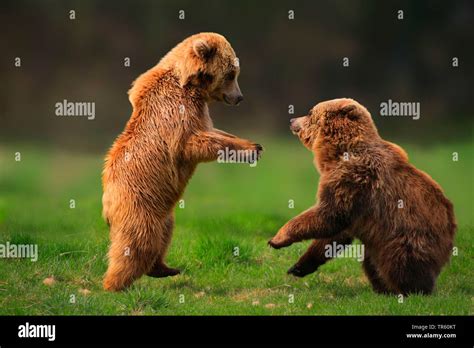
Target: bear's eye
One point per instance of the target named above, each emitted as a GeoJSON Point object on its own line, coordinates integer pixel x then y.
{"type": "Point", "coordinates": [230, 76]}
{"type": "Point", "coordinates": [204, 78]}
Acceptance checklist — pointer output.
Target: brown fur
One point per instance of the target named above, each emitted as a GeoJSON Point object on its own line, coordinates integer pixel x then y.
{"type": "Point", "coordinates": [405, 248]}
{"type": "Point", "coordinates": [150, 163]}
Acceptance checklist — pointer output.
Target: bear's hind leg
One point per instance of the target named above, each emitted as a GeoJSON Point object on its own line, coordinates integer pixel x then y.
{"type": "Point", "coordinates": [128, 261]}
{"type": "Point", "coordinates": [408, 267]}
{"type": "Point", "coordinates": [413, 278]}
{"type": "Point", "coordinates": [159, 268]}
{"type": "Point", "coordinates": [371, 272]}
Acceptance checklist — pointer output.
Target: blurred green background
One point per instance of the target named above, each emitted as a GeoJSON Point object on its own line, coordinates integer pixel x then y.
{"type": "Point", "coordinates": [284, 62]}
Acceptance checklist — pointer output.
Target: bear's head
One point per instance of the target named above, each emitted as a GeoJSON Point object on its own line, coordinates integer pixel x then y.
{"type": "Point", "coordinates": [207, 61]}
{"type": "Point", "coordinates": [340, 123]}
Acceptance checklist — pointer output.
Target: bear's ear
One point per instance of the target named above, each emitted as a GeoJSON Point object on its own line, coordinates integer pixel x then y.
{"type": "Point", "coordinates": [203, 49]}
{"type": "Point", "coordinates": [349, 111]}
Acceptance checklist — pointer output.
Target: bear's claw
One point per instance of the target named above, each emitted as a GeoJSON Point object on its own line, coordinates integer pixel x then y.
{"type": "Point", "coordinates": [296, 271]}
{"type": "Point", "coordinates": [302, 270]}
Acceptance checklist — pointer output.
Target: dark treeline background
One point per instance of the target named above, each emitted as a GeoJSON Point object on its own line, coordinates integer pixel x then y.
{"type": "Point", "coordinates": [283, 62]}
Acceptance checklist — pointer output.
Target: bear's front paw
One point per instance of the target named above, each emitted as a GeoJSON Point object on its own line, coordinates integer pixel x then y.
{"type": "Point", "coordinates": [278, 243]}
{"type": "Point", "coordinates": [257, 151]}
{"type": "Point", "coordinates": [258, 147]}
{"type": "Point", "coordinates": [301, 270]}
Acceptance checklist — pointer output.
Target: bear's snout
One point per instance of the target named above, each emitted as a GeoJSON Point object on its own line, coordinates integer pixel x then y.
{"type": "Point", "coordinates": [233, 100]}
{"type": "Point", "coordinates": [239, 99]}
{"type": "Point", "coordinates": [232, 94]}
{"type": "Point", "coordinates": [294, 125]}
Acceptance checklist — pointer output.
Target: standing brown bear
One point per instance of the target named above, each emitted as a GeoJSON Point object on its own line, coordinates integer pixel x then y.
{"type": "Point", "coordinates": [368, 190]}
{"type": "Point", "coordinates": [169, 133]}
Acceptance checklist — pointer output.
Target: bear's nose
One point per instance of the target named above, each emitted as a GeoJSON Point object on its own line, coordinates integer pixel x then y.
{"type": "Point", "coordinates": [239, 99]}
{"type": "Point", "coordinates": [294, 125]}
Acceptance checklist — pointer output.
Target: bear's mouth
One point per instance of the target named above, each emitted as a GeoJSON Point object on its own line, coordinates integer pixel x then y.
{"type": "Point", "coordinates": [295, 129]}
{"type": "Point", "coordinates": [224, 97]}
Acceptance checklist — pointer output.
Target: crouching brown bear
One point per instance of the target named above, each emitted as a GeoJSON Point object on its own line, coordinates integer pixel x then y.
{"type": "Point", "coordinates": [169, 133]}
{"type": "Point", "coordinates": [368, 190]}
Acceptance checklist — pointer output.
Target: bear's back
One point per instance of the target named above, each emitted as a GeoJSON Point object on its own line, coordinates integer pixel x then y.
{"type": "Point", "coordinates": [403, 201]}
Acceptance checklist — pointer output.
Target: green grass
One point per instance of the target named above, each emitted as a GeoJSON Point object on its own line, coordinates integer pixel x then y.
{"type": "Point", "coordinates": [226, 206]}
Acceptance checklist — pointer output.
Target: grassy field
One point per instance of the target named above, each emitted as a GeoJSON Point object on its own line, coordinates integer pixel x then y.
{"type": "Point", "coordinates": [226, 206]}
